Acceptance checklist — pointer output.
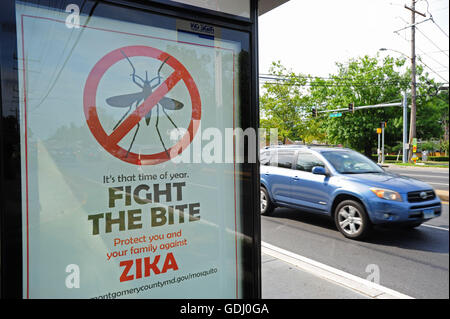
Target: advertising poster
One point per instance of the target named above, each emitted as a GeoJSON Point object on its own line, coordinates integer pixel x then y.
{"type": "Point", "coordinates": [122, 195]}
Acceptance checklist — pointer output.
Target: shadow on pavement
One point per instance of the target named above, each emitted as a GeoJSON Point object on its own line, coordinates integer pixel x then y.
{"type": "Point", "coordinates": [421, 238]}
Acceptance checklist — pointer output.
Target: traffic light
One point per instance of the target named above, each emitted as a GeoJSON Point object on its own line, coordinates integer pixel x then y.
{"type": "Point", "coordinates": [351, 107]}
{"type": "Point", "coordinates": [314, 112]}
{"type": "Point", "coordinates": [383, 124]}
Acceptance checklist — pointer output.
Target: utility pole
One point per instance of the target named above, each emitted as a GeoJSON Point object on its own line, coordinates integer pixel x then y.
{"type": "Point", "coordinates": [405, 127]}
{"type": "Point", "coordinates": [412, 126]}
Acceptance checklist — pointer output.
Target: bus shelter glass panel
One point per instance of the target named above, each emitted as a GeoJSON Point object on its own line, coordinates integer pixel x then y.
{"type": "Point", "coordinates": [130, 186]}
{"type": "Point", "coordinates": [236, 7]}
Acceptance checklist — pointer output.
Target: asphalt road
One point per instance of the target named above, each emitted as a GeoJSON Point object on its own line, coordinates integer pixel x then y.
{"type": "Point", "coordinates": [436, 177]}
{"type": "Point", "coordinates": [413, 262]}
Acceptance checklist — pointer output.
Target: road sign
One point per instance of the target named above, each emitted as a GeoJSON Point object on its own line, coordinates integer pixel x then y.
{"type": "Point", "coordinates": [379, 130]}
{"type": "Point", "coordinates": [335, 114]}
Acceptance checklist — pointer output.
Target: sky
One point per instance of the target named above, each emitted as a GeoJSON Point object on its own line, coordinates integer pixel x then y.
{"type": "Point", "coordinates": [309, 36]}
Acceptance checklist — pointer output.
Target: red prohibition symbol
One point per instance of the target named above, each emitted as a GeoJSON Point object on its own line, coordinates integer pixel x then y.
{"type": "Point", "coordinates": [110, 141]}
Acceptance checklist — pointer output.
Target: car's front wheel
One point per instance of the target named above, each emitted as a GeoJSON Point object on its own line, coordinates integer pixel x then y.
{"type": "Point", "coordinates": [267, 206]}
{"type": "Point", "coordinates": [351, 219]}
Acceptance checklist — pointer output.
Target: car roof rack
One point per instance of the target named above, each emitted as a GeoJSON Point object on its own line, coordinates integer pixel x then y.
{"type": "Point", "coordinates": [304, 145]}
{"type": "Point", "coordinates": [285, 146]}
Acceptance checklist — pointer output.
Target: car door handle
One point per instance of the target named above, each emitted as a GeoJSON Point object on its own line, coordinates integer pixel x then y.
{"type": "Point", "coordinates": [296, 178]}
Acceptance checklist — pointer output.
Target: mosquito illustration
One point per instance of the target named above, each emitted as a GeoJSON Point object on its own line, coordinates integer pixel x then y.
{"type": "Point", "coordinates": [128, 100]}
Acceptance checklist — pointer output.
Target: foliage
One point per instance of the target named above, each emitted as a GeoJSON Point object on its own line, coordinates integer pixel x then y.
{"type": "Point", "coordinates": [438, 158]}
{"type": "Point", "coordinates": [363, 81]}
{"type": "Point", "coordinates": [443, 146]}
{"type": "Point", "coordinates": [428, 146]}
{"type": "Point", "coordinates": [281, 104]}
{"type": "Point", "coordinates": [288, 102]}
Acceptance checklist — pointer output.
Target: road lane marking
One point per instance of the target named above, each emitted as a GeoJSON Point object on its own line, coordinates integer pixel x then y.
{"type": "Point", "coordinates": [337, 276]}
{"type": "Point", "coordinates": [437, 183]}
{"type": "Point", "coordinates": [417, 175]}
{"type": "Point", "coordinates": [409, 175]}
{"type": "Point", "coordinates": [436, 227]}
{"type": "Point", "coordinates": [437, 176]}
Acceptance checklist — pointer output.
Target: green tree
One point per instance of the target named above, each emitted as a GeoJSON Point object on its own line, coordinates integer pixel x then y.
{"type": "Point", "coordinates": [282, 104]}
{"type": "Point", "coordinates": [432, 110]}
{"type": "Point", "coordinates": [362, 81]}
{"type": "Point", "coordinates": [289, 98]}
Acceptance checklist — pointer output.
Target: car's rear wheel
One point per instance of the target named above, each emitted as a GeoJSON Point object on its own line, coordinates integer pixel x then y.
{"type": "Point", "coordinates": [351, 219]}
{"type": "Point", "coordinates": [267, 206]}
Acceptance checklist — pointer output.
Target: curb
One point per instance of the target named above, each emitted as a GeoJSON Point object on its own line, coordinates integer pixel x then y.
{"type": "Point", "coordinates": [443, 195]}
{"type": "Point", "coordinates": [360, 285]}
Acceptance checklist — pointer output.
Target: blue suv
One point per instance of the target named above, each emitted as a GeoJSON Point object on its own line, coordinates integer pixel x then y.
{"type": "Point", "coordinates": [345, 185]}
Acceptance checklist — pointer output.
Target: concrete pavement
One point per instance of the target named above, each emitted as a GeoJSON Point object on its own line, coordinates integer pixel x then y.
{"type": "Point", "coordinates": [286, 275]}
{"type": "Point", "coordinates": [443, 195]}
{"type": "Point", "coordinates": [282, 280]}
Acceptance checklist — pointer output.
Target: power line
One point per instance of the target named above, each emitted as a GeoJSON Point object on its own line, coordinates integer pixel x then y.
{"type": "Point", "coordinates": [432, 52]}
{"type": "Point", "coordinates": [352, 82]}
{"type": "Point", "coordinates": [431, 41]}
{"type": "Point", "coordinates": [446, 81]}
{"type": "Point", "coordinates": [422, 60]}
{"type": "Point", "coordinates": [445, 66]}
{"type": "Point", "coordinates": [439, 27]}
{"type": "Point", "coordinates": [273, 76]}
{"type": "Point", "coordinates": [266, 78]}
{"type": "Point", "coordinates": [55, 81]}
{"type": "Point", "coordinates": [431, 18]}
{"type": "Point", "coordinates": [360, 84]}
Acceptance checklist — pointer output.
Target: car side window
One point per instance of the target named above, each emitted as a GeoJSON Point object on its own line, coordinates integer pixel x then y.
{"type": "Point", "coordinates": [285, 159]}
{"type": "Point", "coordinates": [306, 161]}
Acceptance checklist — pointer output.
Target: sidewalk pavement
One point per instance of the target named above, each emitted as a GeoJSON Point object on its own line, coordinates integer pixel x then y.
{"type": "Point", "coordinates": [281, 280]}
{"type": "Point", "coordinates": [286, 275]}
{"type": "Point", "coordinates": [443, 195]}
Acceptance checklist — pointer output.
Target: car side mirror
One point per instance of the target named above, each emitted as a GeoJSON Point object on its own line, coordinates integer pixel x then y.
{"type": "Point", "coordinates": [319, 170]}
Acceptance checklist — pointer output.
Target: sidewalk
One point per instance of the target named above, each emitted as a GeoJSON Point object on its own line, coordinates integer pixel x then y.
{"type": "Point", "coordinates": [286, 275]}
{"type": "Point", "coordinates": [281, 280]}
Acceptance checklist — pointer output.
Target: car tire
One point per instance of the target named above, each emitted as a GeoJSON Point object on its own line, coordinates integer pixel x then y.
{"type": "Point", "coordinates": [266, 205]}
{"type": "Point", "coordinates": [352, 220]}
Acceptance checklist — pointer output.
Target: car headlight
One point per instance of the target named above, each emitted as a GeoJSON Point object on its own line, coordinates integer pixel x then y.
{"type": "Point", "coordinates": [387, 194]}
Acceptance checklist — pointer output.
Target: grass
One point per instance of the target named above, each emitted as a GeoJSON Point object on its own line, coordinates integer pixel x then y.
{"type": "Point", "coordinates": [426, 164]}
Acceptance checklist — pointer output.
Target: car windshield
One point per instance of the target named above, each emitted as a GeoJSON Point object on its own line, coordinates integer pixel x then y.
{"type": "Point", "coordinates": [350, 162]}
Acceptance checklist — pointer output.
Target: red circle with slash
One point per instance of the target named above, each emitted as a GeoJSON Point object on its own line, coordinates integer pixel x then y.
{"type": "Point", "coordinates": [110, 141]}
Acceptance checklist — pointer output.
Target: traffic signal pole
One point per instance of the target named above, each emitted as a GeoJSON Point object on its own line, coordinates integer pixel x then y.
{"type": "Point", "coordinates": [383, 125]}
{"type": "Point", "coordinates": [403, 104]}
{"type": "Point", "coordinates": [405, 128]}
{"type": "Point", "coordinates": [378, 149]}
{"type": "Point", "coordinates": [355, 108]}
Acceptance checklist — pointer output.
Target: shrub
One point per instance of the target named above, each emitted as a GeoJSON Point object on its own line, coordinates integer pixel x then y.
{"type": "Point", "coordinates": [438, 158]}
